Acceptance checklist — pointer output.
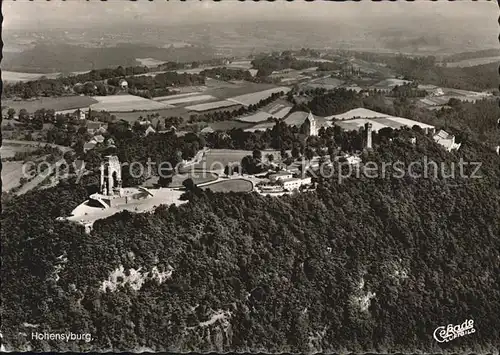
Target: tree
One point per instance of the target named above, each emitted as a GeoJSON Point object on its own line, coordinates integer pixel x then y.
{"type": "Point", "coordinates": [164, 181]}
{"type": "Point", "coordinates": [11, 113]}
{"type": "Point", "coordinates": [189, 184]}
{"type": "Point", "coordinates": [257, 155]}
{"type": "Point", "coordinates": [38, 122]}
{"type": "Point", "coordinates": [23, 115]}
{"type": "Point", "coordinates": [309, 153]}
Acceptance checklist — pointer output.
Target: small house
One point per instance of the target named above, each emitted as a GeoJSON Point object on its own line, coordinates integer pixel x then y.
{"type": "Point", "coordinates": [149, 130]}
{"type": "Point", "coordinates": [123, 84]}
{"type": "Point", "coordinates": [446, 140]}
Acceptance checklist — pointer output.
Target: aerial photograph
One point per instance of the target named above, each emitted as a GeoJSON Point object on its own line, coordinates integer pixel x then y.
{"type": "Point", "coordinates": [250, 177]}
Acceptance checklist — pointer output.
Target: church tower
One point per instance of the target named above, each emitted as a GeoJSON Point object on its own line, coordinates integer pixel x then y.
{"type": "Point", "coordinates": [310, 125]}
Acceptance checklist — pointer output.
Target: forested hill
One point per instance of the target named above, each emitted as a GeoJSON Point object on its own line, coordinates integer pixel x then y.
{"type": "Point", "coordinates": [368, 264]}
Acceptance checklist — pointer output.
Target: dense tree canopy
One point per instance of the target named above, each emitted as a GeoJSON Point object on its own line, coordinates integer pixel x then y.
{"type": "Point", "coordinates": [291, 273]}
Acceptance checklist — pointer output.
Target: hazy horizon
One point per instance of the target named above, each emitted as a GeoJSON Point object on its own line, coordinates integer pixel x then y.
{"type": "Point", "coordinates": [20, 15]}
{"type": "Point", "coordinates": [241, 28]}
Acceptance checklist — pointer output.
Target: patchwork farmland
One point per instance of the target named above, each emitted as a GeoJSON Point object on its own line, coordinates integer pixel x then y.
{"type": "Point", "coordinates": [357, 118]}
{"type": "Point", "coordinates": [186, 99]}
{"type": "Point", "coordinates": [51, 103]}
{"type": "Point", "coordinates": [11, 174]}
{"type": "Point", "coordinates": [211, 106]}
{"type": "Point", "coordinates": [253, 98]}
{"type": "Point", "coordinates": [473, 62]}
{"type": "Point", "coordinates": [126, 103]}
{"type": "Point", "coordinates": [15, 77]}
{"type": "Point", "coordinates": [256, 117]}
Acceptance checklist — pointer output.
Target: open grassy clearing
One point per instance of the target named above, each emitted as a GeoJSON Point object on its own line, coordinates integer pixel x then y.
{"type": "Point", "coordinates": [233, 185]}
{"type": "Point", "coordinates": [54, 103]}
{"type": "Point", "coordinates": [124, 103]}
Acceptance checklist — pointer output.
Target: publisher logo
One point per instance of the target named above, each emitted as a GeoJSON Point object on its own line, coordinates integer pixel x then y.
{"type": "Point", "coordinates": [447, 333]}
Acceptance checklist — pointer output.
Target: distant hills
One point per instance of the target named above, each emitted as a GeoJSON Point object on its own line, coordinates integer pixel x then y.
{"type": "Point", "coordinates": [49, 58]}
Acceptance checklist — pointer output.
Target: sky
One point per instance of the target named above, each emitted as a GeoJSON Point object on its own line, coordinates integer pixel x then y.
{"type": "Point", "coordinates": [22, 14]}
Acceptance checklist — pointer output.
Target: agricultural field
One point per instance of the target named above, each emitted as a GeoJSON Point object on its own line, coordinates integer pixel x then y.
{"type": "Point", "coordinates": [372, 68]}
{"type": "Point", "coordinates": [389, 84]}
{"type": "Point", "coordinates": [291, 75]}
{"type": "Point", "coordinates": [15, 77]}
{"type": "Point", "coordinates": [195, 70]}
{"type": "Point", "coordinates": [12, 171]}
{"type": "Point", "coordinates": [282, 112]}
{"type": "Point", "coordinates": [473, 62]}
{"type": "Point", "coordinates": [255, 97]}
{"type": "Point", "coordinates": [233, 185]}
{"type": "Point", "coordinates": [462, 95]}
{"type": "Point", "coordinates": [225, 90]}
{"type": "Point", "coordinates": [166, 112]}
{"type": "Point", "coordinates": [261, 127]}
{"type": "Point", "coordinates": [240, 64]}
{"type": "Point", "coordinates": [356, 113]}
{"type": "Point", "coordinates": [311, 59]}
{"type": "Point", "coordinates": [256, 117]}
{"type": "Point", "coordinates": [298, 117]}
{"type": "Point", "coordinates": [187, 99]}
{"type": "Point", "coordinates": [126, 103]}
{"type": "Point", "coordinates": [149, 62]}
{"type": "Point", "coordinates": [176, 96]}
{"type": "Point", "coordinates": [357, 118]}
{"type": "Point", "coordinates": [211, 106]}
{"type": "Point", "coordinates": [11, 174]}
{"type": "Point", "coordinates": [327, 83]}
{"type": "Point", "coordinates": [212, 83]}
{"type": "Point", "coordinates": [55, 103]}
{"type": "Point", "coordinates": [229, 125]}
{"type": "Point", "coordinates": [279, 108]}
{"type": "Point", "coordinates": [9, 150]}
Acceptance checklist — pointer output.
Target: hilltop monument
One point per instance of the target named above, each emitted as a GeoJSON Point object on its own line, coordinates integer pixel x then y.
{"type": "Point", "coordinates": [111, 176]}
